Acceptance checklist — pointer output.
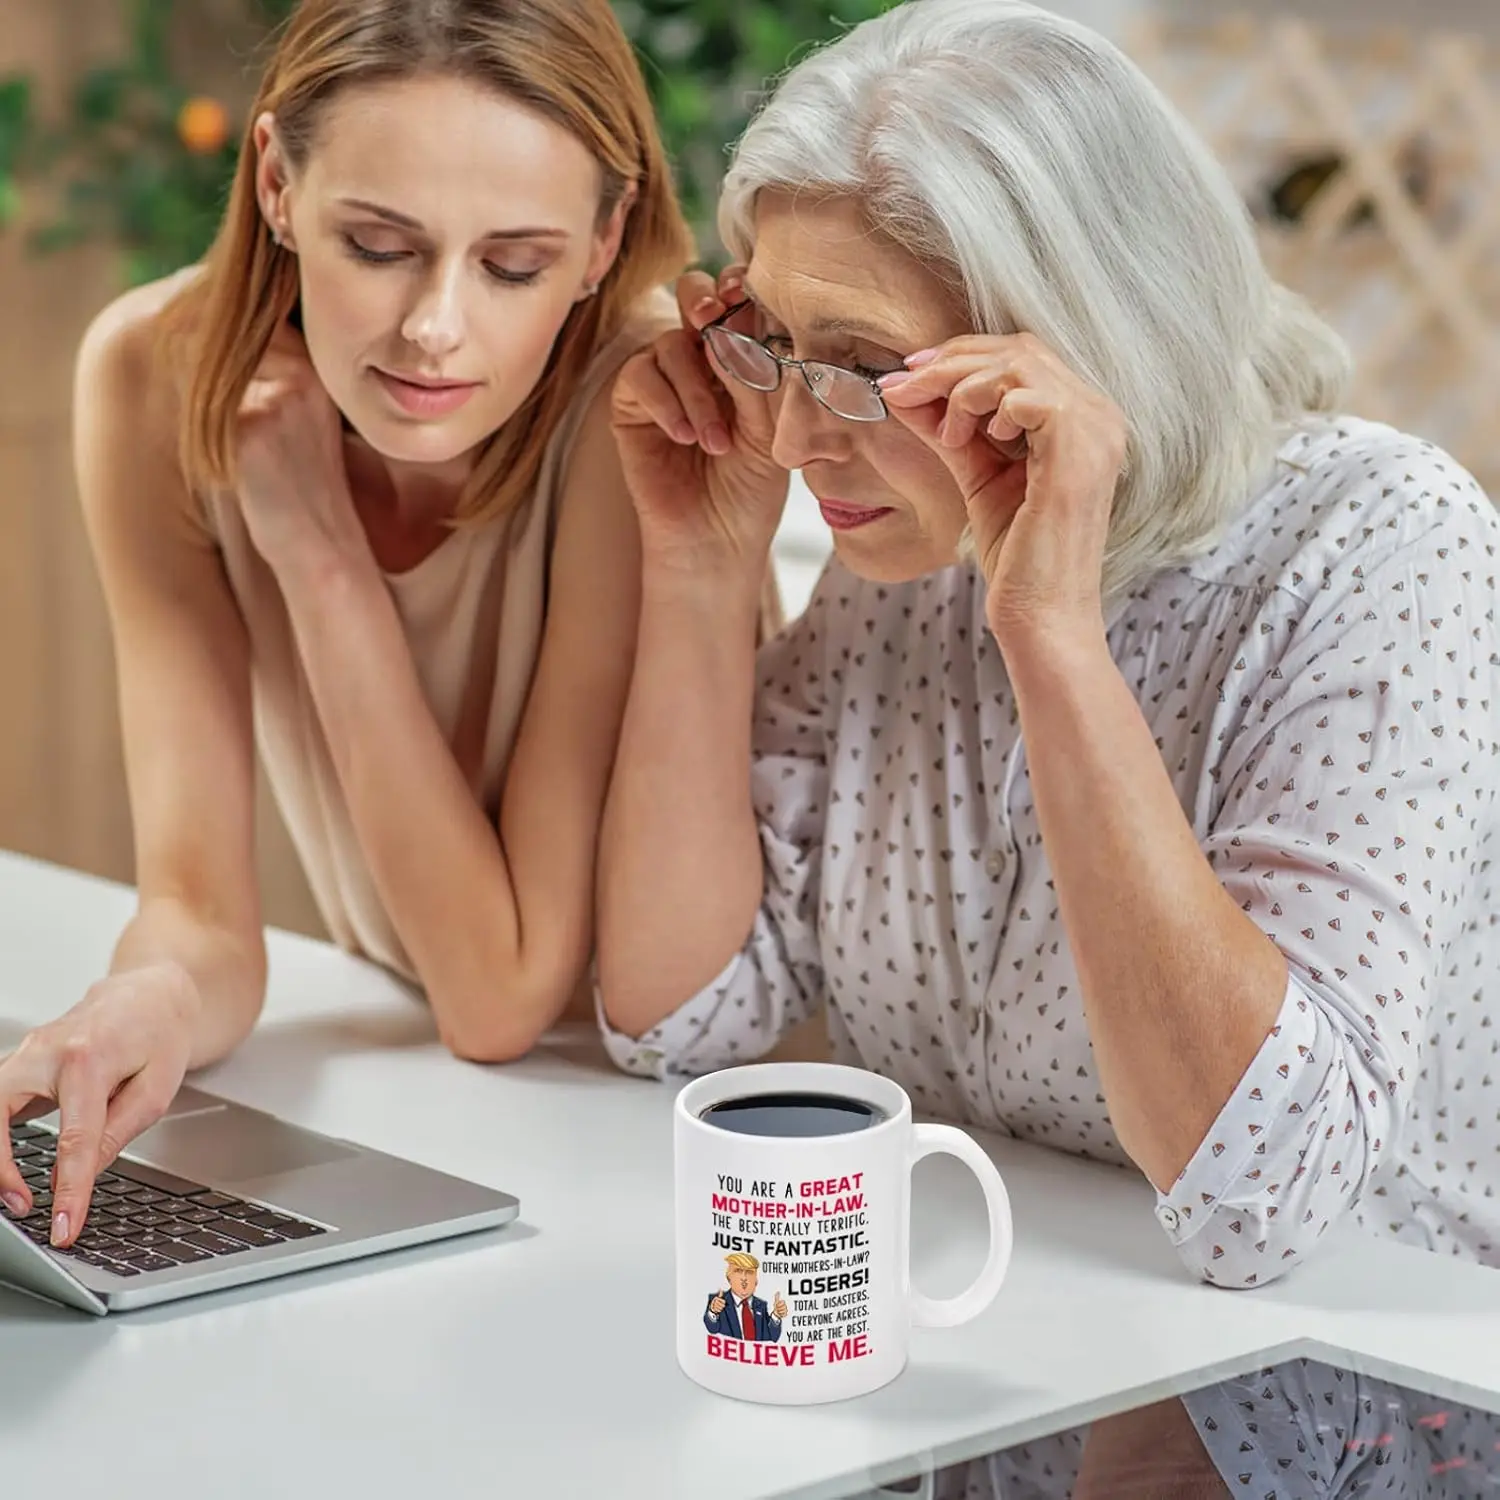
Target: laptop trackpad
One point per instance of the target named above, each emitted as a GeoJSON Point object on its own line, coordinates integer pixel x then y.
{"type": "Point", "coordinates": [231, 1145]}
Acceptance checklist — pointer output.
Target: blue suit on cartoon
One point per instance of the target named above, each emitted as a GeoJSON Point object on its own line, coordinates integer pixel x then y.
{"type": "Point", "coordinates": [729, 1322]}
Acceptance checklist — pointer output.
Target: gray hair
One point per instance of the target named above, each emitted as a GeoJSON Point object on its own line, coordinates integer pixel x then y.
{"type": "Point", "coordinates": [1036, 168]}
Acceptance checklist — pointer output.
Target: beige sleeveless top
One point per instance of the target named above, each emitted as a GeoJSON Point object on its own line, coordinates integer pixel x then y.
{"type": "Point", "coordinates": [473, 612]}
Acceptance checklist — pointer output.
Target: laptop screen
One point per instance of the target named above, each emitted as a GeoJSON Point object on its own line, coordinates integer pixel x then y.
{"type": "Point", "coordinates": [1303, 1429]}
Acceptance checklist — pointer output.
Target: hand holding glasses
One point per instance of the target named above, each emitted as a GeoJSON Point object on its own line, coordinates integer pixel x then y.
{"type": "Point", "coordinates": [740, 354]}
{"type": "Point", "coordinates": [696, 448]}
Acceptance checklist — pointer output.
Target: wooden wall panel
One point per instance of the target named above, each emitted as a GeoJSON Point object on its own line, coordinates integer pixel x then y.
{"type": "Point", "coordinates": [62, 790]}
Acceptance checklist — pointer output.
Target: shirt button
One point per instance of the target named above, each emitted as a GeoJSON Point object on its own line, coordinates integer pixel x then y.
{"type": "Point", "coordinates": [994, 864]}
{"type": "Point", "coordinates": [1167, 1216]}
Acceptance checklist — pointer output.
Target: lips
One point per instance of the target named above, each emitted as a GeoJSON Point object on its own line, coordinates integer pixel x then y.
{"type": "Point", "coordinates": [839, 515]}
{"type": "Point", "coordinates": [424, 397]}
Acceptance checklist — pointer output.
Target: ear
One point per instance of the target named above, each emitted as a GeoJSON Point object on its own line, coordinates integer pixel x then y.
{"type": "Point", "coordinates": [608, 240]}
{"type": "Point", "coordinates": [273, 179]}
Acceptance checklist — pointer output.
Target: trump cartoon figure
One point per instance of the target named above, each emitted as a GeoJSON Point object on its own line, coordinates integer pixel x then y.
{"type": "Point", "coordinates": [736, 1312]}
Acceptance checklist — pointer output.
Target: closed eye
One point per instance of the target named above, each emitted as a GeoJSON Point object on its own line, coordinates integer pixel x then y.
{"type": "Point", "coordinates": [503, 274]}
{"type": "Point", "coordinates": [512, 278]}
{"type": "Point", "coordinates": [373, 257]}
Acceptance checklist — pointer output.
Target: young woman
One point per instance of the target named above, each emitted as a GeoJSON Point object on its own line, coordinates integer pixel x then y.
{"type": "Point", "coordinates": [352, 491]}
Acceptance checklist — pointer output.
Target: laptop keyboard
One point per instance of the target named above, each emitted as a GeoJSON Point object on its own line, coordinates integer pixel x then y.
{"type": "Point", "coordinates": [142, 1219]}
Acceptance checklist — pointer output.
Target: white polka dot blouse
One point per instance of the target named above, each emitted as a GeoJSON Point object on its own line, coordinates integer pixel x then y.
{"type": "Point", "coordinates": [1323, 689]}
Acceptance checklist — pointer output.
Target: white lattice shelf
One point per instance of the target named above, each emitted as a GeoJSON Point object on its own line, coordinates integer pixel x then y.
{"type": "Point", "coordinates": [1399, 241]}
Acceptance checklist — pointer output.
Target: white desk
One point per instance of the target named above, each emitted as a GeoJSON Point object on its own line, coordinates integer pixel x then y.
{"type": "Point", "coordinates": [492, 1366]}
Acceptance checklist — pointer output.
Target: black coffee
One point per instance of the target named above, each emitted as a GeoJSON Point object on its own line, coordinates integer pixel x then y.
{"type": "Point", "coordinates": [793, 1115]}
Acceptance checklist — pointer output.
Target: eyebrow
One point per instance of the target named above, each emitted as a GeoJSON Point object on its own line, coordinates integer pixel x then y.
{"type": "Point", "coordinates": [849, 327]}
{"type": "Point", "coordinates": [405, 221]}
{"type": "Point", "coordinates": [855, 326]}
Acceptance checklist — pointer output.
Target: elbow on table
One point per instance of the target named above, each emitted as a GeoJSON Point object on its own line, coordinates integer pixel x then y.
{"type": "Point", "coordinates": [1249, 1263]}
{"type": "Point", "coordinates": [1242, 1278]}
{"type": "Point", "coordinates": [501, 1023]}
{"type": "Point", "coordinates": [489, 1045]}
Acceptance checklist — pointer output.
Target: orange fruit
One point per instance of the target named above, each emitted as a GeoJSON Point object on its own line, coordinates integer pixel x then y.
{"type": "Point", "coordinates": [203, 125]}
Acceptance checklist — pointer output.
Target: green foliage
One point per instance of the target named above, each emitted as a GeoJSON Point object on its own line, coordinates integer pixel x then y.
{"type": "Point", "coordinates": [707, 63]}
{"type": "Point", "coordinates": [117, 168]}
{"type": "Point", "coordinates": [127, 174]}
{"type": "Point", "coordinates": [15, 127]}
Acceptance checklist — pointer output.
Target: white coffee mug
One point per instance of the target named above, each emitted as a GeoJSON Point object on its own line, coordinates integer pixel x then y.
{"type": "Point", "coordinates": [794, 1247]}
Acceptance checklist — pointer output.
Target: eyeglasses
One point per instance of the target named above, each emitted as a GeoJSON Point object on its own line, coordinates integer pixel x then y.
{"type": "Point", "coordinates": [846, 393]}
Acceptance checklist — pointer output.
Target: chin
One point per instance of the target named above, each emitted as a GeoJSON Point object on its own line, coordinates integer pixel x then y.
{"type": "Point", "coordinates": [887, 564]}
{"type": "Point", "coordinates": [431, 443]}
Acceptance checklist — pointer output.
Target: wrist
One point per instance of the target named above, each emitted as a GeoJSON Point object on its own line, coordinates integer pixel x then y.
{"type": "Point", "coordinates": [1042, 624]}
{"type": "Point", "coordinates": [165, 984]}
{"type": "Point", "coordinates": [719, 588]}
{"type": "Point", "coordinates": [323, 568]}
{"type": "Point", "coordinates": [1042, 648]}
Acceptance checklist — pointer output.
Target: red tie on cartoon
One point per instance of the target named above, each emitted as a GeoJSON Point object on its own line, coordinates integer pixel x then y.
{"type": "Point", "coordinates": [747, 1320]}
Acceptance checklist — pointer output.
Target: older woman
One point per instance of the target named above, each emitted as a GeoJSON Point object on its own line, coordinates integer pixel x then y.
{"type": "Point", "coordinates": [1160, 828]}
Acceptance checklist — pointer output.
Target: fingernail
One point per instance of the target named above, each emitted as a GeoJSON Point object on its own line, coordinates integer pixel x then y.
{"type": "Point", "coordinates": [60, 1229]}
{"type": "Point", "coordinates": [920, 358]}
{"type": "Point", "coordinates": [895, 378]}
{"type": "Point", "coordinates": [683, 433]}
{"type": "Point", "coordinates": [716, 438]}
{"type": "Point", "coordinates": [704, 305]}
{"type": "Point", "coordinates": [16, 1204]}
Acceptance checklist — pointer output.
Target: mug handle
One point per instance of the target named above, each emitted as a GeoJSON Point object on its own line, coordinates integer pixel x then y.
{"type": "Point", "coordinates": [948, 1312]}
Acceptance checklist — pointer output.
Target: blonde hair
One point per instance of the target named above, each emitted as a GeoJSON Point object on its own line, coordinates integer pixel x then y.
{"type": "Point", "coordinates": [1039, 172]}
{"type": "Point", "coordinates": [568, 60]}
{"type": "Point", "coordinates": [739, 1261]}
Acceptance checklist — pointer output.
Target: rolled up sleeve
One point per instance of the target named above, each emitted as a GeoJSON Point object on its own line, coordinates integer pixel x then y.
{"type": "Point", "coordinates": [1345, 829]}
{"type": "Point", "coordinates": [1291, 1149]}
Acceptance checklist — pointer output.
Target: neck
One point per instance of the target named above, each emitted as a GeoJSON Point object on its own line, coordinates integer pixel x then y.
{"type": "Point", "coordinates": [413, 494]}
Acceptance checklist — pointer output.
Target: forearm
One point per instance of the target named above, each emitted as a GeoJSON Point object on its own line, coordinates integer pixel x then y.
{"type": "Point", "coordinates": [433, 854]}
{"type": "Point", "coordinates": [228, 969]}
{"type": "Point", "coordinates": [680, 876]}
{"type": "Point", "coordinates": [1180, 988]}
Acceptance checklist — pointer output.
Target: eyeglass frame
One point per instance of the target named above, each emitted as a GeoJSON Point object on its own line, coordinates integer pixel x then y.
{"type": "Point", "coordinates": [784, 362]}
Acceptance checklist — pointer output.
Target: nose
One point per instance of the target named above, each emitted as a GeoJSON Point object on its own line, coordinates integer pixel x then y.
{"type": "Point", "coordinates": [435, 323]}
{"type": "Point", "coordinates": [805, 429]}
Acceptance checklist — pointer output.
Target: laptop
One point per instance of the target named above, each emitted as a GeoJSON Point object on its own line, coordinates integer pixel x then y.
{"type": "Point", "coordinates": [218, 1195]}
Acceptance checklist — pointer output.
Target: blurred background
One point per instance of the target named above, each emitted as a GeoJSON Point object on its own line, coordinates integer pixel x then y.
{"type": "Point", "coordinates": [1364, 136]}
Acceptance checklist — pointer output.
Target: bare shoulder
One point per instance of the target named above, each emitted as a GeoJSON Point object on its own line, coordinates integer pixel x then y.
{"type": "Point", "coordinates": [593, 480]}
{"type": "Point", "coordinates": [594, 503]}
{"type": "Point", "coordinates": [126, 409]}
{"type": "Point", "coordinates": [596, 550]}
{"type": "Point", "coordinates": [119, 373]}
{"type": "Point", "coordinates": [594, 440]}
